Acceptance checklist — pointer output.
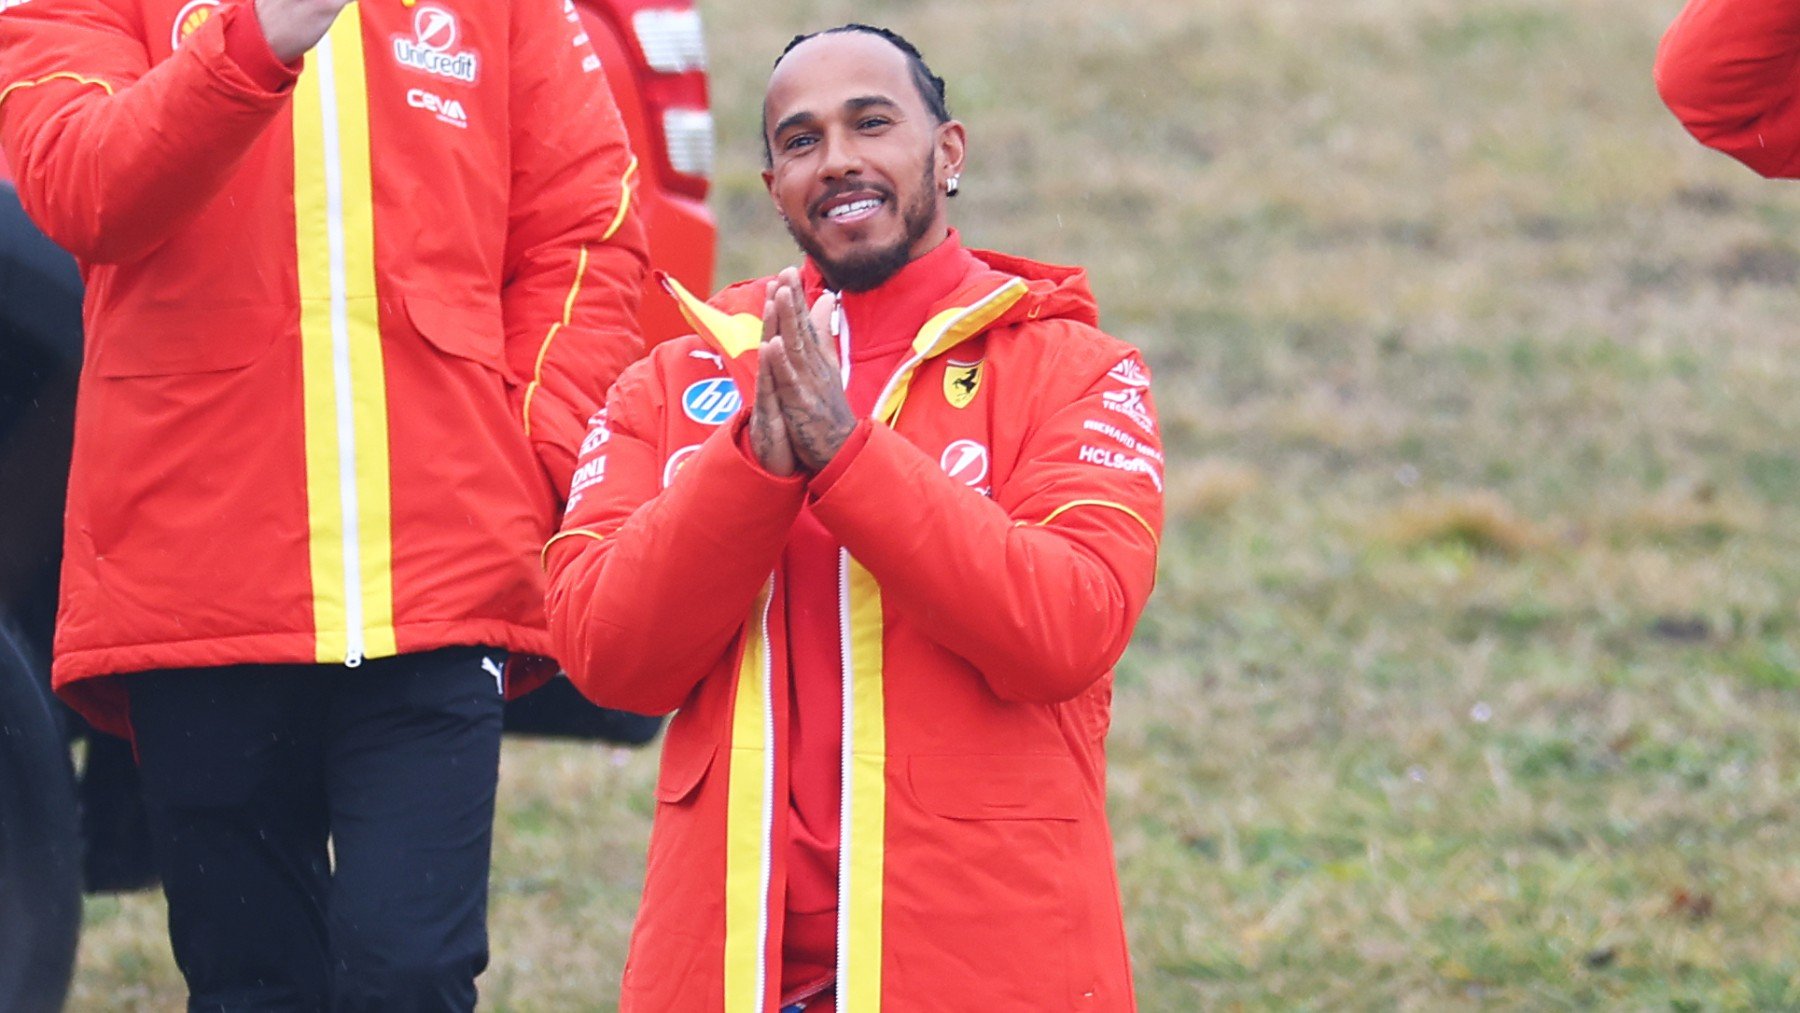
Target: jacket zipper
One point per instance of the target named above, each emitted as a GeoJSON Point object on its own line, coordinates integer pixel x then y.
{"type": "Point", "coordinates": [768, 806]}
{"type": "Point", "coordinates": [354, 645]}
{"type": "Point", "coordinates": [840, 330]}
{"type": "Point", "coordinates": [846, 747]}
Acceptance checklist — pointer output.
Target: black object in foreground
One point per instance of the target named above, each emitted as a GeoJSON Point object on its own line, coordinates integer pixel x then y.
{"type": "Point", "coordinates": [40, 843]}
{"type": "Point", "coordinates": [558, 709]}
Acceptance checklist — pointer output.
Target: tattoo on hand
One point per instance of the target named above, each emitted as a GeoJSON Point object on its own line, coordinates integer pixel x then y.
{"type": "Point", "coordinates": [818, 435]}
{"type": "Point", "coordinates": [806, 386]}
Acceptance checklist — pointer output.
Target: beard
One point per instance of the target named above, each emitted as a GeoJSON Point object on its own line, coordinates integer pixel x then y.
{"type": "Point", "coordinates": [865, 269]}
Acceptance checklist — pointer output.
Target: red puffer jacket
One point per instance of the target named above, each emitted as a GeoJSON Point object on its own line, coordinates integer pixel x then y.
{"type": "Point", "coordinates": [999, 523]}
{"type": "Point", "coordinates": [1730, 71]}
{"type": "Point", "coordinates": [344, 330]}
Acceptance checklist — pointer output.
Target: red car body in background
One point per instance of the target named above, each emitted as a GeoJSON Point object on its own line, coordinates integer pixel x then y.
{"type": "Point", "coordinates": [655, 62]}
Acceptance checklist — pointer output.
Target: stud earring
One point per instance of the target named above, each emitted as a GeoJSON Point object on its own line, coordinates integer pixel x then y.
{"type": "Point", "coordinates": [951, 186]}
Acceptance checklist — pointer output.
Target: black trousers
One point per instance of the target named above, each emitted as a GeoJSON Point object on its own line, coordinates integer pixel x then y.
{"type": "Point", "coordinates": [250, 769]}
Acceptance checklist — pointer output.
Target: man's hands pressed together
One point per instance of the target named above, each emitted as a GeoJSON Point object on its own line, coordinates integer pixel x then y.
{"type": "Point", "coordinates": [801, 418]}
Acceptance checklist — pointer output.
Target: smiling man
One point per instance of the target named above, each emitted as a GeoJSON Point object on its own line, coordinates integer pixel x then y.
{"type": "Point", "coordinates": [862, 227]}
{"type": "Point", "coordinates": [885, 591]}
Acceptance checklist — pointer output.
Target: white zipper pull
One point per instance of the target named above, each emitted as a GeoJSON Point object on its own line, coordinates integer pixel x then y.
{"type": "Point", "coordinates": [354, 659]}
{"type": "Point", "coordinates": [840, 336]}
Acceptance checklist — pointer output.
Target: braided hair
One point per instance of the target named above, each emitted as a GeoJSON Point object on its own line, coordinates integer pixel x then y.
{"type": "Point", "coordinates": [931, 86]}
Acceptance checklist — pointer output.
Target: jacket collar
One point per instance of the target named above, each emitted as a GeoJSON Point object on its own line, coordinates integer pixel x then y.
{"type": "Point", "coordinates": [994, 290]}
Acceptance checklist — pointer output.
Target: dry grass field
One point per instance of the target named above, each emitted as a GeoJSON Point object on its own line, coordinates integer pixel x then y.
{"type": "Point", "coordinates": [1473, 675]}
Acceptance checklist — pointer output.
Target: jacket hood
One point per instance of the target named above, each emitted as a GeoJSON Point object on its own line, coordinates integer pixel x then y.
{"type": "Point", "coordinates": [1053, 291]}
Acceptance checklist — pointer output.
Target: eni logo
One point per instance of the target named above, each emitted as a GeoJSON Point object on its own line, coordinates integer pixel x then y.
{"type": "Point", "coordinates": [189, 19]}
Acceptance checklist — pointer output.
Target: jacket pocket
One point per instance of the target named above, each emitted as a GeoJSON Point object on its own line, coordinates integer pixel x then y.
{"type": "Point", "coordinates": [997, 787]}
{"type": "Point", "coordinates": [476, 333]}
{"type": "Point", "coordinates": [179, 341]}
{"type": "Point", "coordinates": [682, 771]}
{"type": "Point", "coordinates": [994, 852]}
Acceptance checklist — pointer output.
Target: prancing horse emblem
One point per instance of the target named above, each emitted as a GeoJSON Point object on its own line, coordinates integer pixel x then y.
{"type": "Point", "coordinates": [961, 381]}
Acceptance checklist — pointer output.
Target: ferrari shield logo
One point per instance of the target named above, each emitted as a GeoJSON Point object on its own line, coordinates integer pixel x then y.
{"type": "Point", "coordinates": [961, 381]}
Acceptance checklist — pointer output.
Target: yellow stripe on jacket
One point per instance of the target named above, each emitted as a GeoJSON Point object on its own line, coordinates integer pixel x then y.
{"type": "Point", "coordinates": [749, 821]}
{"type": "Point", "coordinates": [863, 856]}
{"type": "Point", "coordinates": [343, 375]}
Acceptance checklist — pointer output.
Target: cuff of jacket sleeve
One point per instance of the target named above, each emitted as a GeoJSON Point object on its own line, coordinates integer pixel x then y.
{"type": "Point", "coordinates": [740, 438]}
{"type": "Point", "coordinates": [853, 444]}
{"type": "Point", "coordinates": [886, 466]}
{"type": "Point", "coordinates": [726, 489]}
{"type": "Point", "coordinates": [248, 48]}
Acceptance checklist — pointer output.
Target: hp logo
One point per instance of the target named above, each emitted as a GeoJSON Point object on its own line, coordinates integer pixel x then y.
{"type": "Point", "coordinates": [711, 402]}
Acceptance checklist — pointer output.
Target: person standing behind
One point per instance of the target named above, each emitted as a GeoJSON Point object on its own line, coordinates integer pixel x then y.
{"type": "Point", "coordinates": [357, 276]}
{"type": "Point", "coordinates": [879, 530]}
{"type": "Point", "coordinates": [1730, 72]}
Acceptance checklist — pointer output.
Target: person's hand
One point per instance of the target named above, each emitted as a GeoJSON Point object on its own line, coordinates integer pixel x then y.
{"type": "Point", "coordinates": [768, 430]}
{"type": "Point", "coordinates": [293, 27]}
{"type": "Point", "coordinates": [804, 367]}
